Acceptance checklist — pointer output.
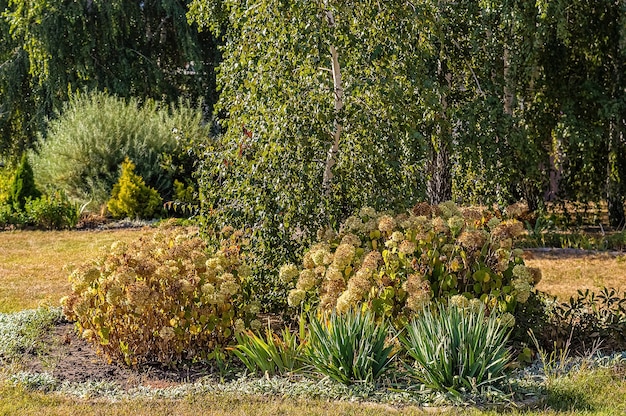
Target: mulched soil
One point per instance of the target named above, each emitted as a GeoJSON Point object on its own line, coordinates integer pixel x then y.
{"type": "Point", "coordinates": [70, 358]}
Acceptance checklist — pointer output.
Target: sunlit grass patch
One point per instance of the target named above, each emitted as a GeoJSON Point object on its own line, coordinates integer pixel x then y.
{"type": "Point", "coordinates": [564, 274]}
{"type": "Point", "coordinates": [34, 264]}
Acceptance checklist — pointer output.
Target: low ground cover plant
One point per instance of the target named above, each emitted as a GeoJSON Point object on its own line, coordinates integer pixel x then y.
{"type": "Point", "coordinates": [20, 332]}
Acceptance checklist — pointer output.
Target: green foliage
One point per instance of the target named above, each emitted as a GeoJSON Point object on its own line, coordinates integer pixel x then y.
{"type": "Point", "coordinates": [23, 185]}
{"type": "Point", "coordinates": [52, 212]}
{"type": "Point", "coordinates": [164, 298]}
{"type": "Point", "coordinates": [589, 318]}
{"type": "Point", "coordinates": [457, 349]}
{"type": "Point", "coordinates": [51, 48]}
{"type": "Point", "coordinates": [273, 355]}
{"type": "Point", "coordinates": [8, 216]}
{"type": "Point", "coordinates": [131, 197]}
{"type": "Point", "coordinates": [350, 347]}
{"type": "Point", "coordinates": [396, 265]}
{"type": "Point", "coordinates": [85, 146]}
{"type": "Point", "coordinates": [266, 173]}
{"type": "Point", "coordinates": [6, 179]}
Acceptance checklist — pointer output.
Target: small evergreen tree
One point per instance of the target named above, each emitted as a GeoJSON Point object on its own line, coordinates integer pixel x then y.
{"type": "Point", "coordinates": [23, 185]}
{"type": "Point", "coordinates": [131, 197]}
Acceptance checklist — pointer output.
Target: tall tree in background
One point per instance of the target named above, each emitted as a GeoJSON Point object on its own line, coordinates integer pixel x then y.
{"type": "Point", "coordinates": [584, 59]}
{"type": "Point", "coordinates": [323, 113]}
{"type": "Point", "coordinates": [50, 48]}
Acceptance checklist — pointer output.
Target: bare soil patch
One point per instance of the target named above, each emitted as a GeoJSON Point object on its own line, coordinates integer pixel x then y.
{"type": "Point", "coordinates": [71, 359]}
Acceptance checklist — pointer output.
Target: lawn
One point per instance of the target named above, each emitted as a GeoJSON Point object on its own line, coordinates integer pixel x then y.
{"type": "Point", "coordinates": [34, 265]}
{"type": "Point", "coordinates": [566, 271]}
{"type": "Point", "coordinates": [34, 269]}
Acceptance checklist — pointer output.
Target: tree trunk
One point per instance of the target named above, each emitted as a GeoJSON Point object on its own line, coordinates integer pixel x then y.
{"type": "Point", "coordinates": [331, 158]}
{"type": "Point", "coordinates": [508, 94]}
{"type": "Point", "coordinates": [439, 184]}
{"type": "Point", "coordinates": [614, 185]}
{"type": "Point", "coordinates": [614, 194]}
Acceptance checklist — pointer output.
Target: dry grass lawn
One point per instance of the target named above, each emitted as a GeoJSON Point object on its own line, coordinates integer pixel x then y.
{"type": "Point", "coordinates": [34, 265]}
{"type": "Point", "coordinates": [566, 272]}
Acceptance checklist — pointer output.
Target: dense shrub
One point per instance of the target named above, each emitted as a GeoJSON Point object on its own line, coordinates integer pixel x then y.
{"type": "Point", "coordinates": [457, 348]}
{"type": "Point", "coordinates": [23, 185]}
{"type": "Point", "coordinates": [131, 197]}
{"type": "Point", "coordinates": [51, 212]}
{"type": "Point", "coordinates": [9, 217]}
{"type": "Point", "coordinates": [86, 144]}
{"type": "Point", "coordinates": [163, 298]}
{"type": "Point", "coordinates": [588, 318]}
{"type": "Point", "coordinates": [396, 265]}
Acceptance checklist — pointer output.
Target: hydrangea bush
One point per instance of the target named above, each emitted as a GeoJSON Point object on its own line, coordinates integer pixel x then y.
{"type": "Point", "coordinates": [163, 298]}
{"type": "Point", "coordinates": [396, 265]}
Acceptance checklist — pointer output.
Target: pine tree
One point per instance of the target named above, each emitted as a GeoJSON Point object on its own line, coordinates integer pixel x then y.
{"type": "Point", "coordinates": [131, 197]}
{"type": "Point", "coordinates": [23, 186]}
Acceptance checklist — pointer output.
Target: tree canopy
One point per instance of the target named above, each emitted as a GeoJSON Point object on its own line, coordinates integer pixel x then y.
{"type": "Point", "coordinates": [51, 48]}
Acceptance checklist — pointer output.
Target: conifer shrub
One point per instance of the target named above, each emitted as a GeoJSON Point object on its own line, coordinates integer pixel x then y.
{"type": "Point", "coordinates": [395, 265]}
{"type": "Point", "coordinates": [23, 185]}
{"type": "Point", "coordinates": [131, 197]}
{"type": "Point", "coordinates": [163, 298]}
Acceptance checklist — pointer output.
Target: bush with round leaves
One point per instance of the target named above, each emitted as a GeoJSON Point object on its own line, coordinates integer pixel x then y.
{"type": "Point", "coordinates": [395, 265]}
{"type": "Point", "coordinates": [163, 298]}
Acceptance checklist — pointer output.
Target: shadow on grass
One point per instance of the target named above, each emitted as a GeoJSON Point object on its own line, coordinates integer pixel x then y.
{"type": "Point", "coordinates": [567, 397]}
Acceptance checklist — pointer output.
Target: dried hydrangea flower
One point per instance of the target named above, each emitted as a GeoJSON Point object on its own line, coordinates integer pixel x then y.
{"type": "Point", "coordinates": [288, 273]}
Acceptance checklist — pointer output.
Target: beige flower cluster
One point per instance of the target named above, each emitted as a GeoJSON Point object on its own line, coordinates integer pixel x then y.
{"type": "Point", "coordinates": [398, 264]}
{"type": "Point", "coordinates": [163, 297]}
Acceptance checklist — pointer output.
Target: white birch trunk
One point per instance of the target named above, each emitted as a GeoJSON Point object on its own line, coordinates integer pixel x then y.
{"type": "Point", "coordinates": [331, 158]}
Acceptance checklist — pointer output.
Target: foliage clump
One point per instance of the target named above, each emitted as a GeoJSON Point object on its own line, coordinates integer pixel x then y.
{"type": "Point", "coordinates": [457, 348]}
{"type": "Point", "coordinates": [131, 197]}
{"type": "Point", "coordinates": [164, 298]}
{"type": "Point", "coordinates": [350, 348]}
{"type": "Point", "coordinates": [52, 212]}
{"type": "Point", "coordinates": [95, 132]}
{"type": "Point", "coordinates": [395, 265]}
{"type": "Point", "coordinates": [23, 185]}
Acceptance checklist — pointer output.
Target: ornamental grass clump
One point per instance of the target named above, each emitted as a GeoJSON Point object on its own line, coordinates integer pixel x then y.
{"type": "Point", "coordinates": [273, 354]}
{"type": "Point", "coordinates": [457, 349]}
{"type": "Point", "coordinates": [163, 298]}
{"type": "Point", "coordinates": [349, 348]}
{"type": "Point", "coordinates": [397, 265]}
